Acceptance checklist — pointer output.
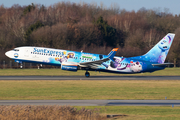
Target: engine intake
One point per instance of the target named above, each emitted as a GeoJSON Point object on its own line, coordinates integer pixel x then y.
{"type": "Point", "coordinates": [69, 67]}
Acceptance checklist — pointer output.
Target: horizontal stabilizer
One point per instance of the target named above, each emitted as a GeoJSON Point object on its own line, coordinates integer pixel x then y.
{"type": "Point", "coordinates": [163, 64]}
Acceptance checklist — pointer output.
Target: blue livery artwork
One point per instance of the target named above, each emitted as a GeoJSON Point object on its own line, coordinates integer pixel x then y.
{"type": "Point", "coordinates": [72, 60]}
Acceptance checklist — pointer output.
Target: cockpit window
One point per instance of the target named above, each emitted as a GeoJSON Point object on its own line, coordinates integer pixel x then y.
{"type": "Point", "coordinates": [16, 49]}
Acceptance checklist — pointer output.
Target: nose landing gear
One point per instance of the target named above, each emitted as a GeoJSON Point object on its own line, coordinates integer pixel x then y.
{"type": "Point", "coordinates": [21, 66]}
{"type": "Point", "coordinates": [87, 74]}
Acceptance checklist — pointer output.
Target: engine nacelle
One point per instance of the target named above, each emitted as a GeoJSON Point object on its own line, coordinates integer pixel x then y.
{"type": "Point", "coordinates": [18, 61]}
{"type": "Point", "coordinates": [69, 67]}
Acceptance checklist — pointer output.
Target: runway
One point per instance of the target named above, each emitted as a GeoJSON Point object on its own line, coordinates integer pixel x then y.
{"type": "Point", "coordinates": [93, 102]}
{"type": "Point", "coordinates": [90, 78]}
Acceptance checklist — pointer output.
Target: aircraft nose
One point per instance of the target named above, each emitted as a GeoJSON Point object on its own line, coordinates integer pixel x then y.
{"type": "Point", "coordinates": [8, 54]}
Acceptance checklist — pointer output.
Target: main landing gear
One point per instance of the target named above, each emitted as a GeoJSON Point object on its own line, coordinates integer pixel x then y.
{"type": "Point", "coordinates": [87, 74]}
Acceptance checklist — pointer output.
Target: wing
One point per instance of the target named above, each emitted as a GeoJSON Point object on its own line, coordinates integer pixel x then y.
{"type": "Point", "coordinates": [93, 64]}
{"type": "Point", "coordinates": [97, 63]}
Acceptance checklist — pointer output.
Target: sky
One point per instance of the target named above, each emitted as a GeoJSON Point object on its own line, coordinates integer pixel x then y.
{"type": "Point", "coordinates": [170, 6]}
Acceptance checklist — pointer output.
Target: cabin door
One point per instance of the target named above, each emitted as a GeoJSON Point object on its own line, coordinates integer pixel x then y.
{"type": "Point", "coordinates": [26, 53]}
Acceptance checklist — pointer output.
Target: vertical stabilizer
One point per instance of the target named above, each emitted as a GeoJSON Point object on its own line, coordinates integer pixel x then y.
{"type": "Point", "coordinates": [159, 52]}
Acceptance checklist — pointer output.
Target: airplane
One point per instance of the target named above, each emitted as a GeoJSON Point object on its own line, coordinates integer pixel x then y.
{"type": "Point", "coordinates": [72, 60]}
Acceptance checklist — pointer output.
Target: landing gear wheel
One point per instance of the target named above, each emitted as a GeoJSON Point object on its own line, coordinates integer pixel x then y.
{"type": "Point", "coordinates": [21, 66]}
{"type": "Point", "coordinates": [87, 74]}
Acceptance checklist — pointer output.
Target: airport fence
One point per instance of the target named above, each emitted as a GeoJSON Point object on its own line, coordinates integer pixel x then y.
{"type": "Point", "coordinates": [14, 65]}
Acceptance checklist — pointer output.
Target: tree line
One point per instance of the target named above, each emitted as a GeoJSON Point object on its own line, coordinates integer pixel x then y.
{"type": "Point", "coordinates": [87, 27]}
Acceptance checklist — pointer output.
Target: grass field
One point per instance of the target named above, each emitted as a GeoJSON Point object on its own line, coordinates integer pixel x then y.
{"type": "Point", "coordinates": [139, 112]}
{"type": "Point", "coordinates": [80, 89]}
{"type": "Point", "coordinates": [87, 89]}
{"type": "Point", "coordinates": [59, 72]}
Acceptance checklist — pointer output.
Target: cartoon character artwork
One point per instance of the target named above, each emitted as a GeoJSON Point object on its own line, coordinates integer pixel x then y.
{"type": "Point", "coordinates": [135, 67]}
{"type": "Point", "coordinates": [164, 46]}
{"type": "Point", "coordinates": [121, 64]}
{"type": "Point", "coordinates": [70, 55]}
{"type": "Point", "coordinates": [117, 64]}
{"type": "Point", "coordinates": [64, 58]}
{"type": "Point", "coordinates": [125, 67]}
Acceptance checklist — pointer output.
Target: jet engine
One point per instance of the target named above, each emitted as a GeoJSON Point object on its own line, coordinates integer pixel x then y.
{"type": "Point", "coordinates": [69, 67]}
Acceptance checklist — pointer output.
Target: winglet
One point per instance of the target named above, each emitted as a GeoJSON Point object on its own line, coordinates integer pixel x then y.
{"type": "Point", "coordinates": [112, 53]}
{"type": "Point", "coordinates": [115, 49]}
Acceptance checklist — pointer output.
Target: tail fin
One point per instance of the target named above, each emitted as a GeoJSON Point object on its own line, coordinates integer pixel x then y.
{"type": "Point", "coordinates": [112, 53]}
{"type": "Point", "coordinates": [159, 52]}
